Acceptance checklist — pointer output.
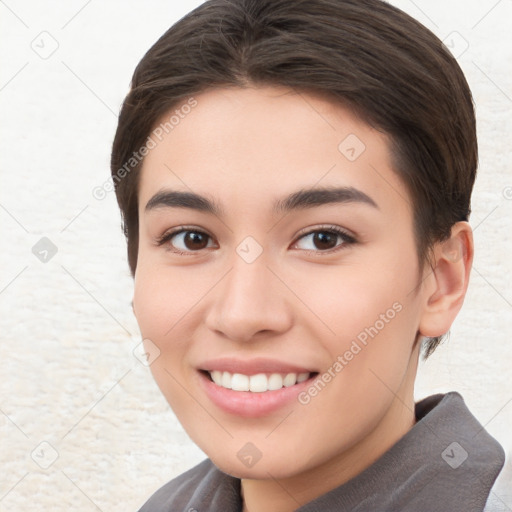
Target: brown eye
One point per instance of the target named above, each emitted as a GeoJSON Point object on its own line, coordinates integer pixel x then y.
{"type": "Point", "coordinates": [194, 240]}
{"type": "Point", "coordinates": [186, 240]}
{"type": "Point", "coordinates": [324, 240]}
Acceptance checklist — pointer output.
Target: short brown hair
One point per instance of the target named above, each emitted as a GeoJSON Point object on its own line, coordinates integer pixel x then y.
{"type": "Point", "coordinates": [365, 54]}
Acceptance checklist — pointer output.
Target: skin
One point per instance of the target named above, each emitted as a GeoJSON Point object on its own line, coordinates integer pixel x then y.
{"type": "Point", "coordinates": [297, 302]}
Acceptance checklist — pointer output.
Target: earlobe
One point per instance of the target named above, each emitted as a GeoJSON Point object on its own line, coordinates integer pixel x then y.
{"type": "Point", "coordinates": [448, 281]}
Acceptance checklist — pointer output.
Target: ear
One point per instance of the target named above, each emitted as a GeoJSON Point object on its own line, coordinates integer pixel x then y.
{"type": "Point", "coordinates": [446, 284]}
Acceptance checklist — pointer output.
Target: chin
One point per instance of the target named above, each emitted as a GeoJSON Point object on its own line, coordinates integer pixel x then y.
{"type": "Point", "coordinates": [260, 471]}
{"type": "Point", "coordinates": [275, 465]}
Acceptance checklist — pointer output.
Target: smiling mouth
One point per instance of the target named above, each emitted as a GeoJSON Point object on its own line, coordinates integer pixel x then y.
{"type": "Point", "coordinates": [257, 383]}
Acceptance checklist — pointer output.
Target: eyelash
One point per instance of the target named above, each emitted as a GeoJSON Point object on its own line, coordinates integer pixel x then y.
{"type": "Point", "coordinates": [347, 239]}
{"type": "Point", "coordinates": [166, 237]}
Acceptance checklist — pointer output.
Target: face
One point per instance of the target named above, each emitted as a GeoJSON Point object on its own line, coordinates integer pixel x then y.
{"type": "Point", "coordinates": [277, 278]}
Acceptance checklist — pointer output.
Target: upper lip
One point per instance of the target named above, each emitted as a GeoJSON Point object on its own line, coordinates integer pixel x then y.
{"type": "Point", "coordinates": [252, 366]}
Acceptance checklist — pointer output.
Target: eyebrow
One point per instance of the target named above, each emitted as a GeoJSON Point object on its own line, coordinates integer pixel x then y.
{"type": "Point", "coordinates": [308, 198]}
{"type": "Point", "coordinates": [176, 199]}
{"type": "Point", "coordinates": [302, 199]}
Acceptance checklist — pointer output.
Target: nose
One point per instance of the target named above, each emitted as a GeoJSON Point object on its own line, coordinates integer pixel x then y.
{"type": "Point", "coordinates": [249, 302]}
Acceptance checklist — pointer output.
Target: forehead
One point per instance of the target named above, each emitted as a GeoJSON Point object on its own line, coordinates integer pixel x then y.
{"type": "Point", "coordinates": [242, 145]}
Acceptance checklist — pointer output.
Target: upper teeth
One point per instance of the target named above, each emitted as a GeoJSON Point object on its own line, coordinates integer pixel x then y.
{"type": "Point", "coordinates": [256, 383]}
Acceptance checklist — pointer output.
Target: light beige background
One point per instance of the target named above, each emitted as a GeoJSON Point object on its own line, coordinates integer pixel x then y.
{"type": "Point", "coordinates": [68, 375]}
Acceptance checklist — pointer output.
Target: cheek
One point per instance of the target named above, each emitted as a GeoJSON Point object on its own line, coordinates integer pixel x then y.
{"type": "Point", "coordinates": [159, 304]}
{"type": "Point", "coordinates": [151, 311]}
{"type": "Point", "coordinates": [168, 305]}
{"type": "Point", "coordinates": [360, 300]}
{"type": "Point", "coordinates": [368, 322]}
{"type": "Point", "coordinates": [163, 297]}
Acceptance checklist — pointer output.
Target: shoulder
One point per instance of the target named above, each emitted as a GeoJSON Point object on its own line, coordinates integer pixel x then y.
{"type": "Point", "coordinates": [204, 487]}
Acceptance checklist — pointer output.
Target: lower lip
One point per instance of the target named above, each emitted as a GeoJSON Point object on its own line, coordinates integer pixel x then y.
{"type": "Point", "coordinates": [248, 404]}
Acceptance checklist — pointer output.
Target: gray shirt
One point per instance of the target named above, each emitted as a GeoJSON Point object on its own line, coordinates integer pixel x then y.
{"type": "Point", "coordinates": [447, 462]}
